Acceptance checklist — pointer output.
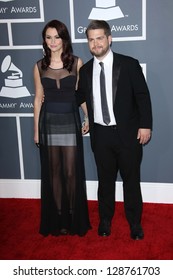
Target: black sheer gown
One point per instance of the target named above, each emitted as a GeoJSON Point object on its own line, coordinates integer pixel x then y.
{"type": "Point", "coordinates": [63, 189]}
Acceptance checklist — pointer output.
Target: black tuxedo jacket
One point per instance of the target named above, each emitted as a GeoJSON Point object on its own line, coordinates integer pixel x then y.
{"type": "Point", "coordinates": [131, 98]}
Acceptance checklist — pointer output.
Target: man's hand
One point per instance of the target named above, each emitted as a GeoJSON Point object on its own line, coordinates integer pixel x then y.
{"type": "Point", "coordinates": [144, 135]}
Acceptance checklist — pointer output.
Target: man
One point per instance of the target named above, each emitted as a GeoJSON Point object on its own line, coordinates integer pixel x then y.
{"type": "Point", "coordinates": [117, 141]}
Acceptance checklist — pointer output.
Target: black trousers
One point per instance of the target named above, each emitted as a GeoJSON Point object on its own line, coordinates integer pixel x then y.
{"type": "Point", "coordinates": [112, 156]}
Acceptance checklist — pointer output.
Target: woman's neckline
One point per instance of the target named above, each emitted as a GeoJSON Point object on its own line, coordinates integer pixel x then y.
{"type": "Point", "coordinates": [55, 68]}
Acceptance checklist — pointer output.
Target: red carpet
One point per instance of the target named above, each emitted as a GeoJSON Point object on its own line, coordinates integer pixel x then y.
{"type": "Point", "coordinates": [20, 240]}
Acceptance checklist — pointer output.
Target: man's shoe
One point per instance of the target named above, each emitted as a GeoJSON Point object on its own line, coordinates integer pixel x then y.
{"type": "Point", "coordinates": [104, 228]}
{"type": "Point", "coordinates": [63, 231]}
{"type": "Point", "coordinates": [136, 232]}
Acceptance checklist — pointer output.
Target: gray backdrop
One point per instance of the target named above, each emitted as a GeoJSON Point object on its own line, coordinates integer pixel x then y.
{"type": "Point", "coordinates": [142, 29]}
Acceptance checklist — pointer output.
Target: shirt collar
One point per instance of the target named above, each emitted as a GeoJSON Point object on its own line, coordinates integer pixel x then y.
{"type": "Point", "coordinates": [106, 60]}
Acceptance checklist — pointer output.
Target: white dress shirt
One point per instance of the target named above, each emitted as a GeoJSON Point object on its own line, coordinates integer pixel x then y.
{"type": "Point", "coordinates": [108, 63]}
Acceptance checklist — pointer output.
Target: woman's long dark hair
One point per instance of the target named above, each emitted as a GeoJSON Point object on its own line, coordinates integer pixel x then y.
{"type": "Point", "coordinates": [67, 53]}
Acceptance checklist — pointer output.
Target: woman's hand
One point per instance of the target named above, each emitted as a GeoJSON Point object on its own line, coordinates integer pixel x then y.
{"type": "Point", "coordinates": [36, 139]}
{"type": "Point", "coordinates": [85, 125]}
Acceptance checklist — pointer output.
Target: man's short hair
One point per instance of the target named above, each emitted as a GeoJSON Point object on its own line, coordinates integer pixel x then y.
{"type": "Point", "coordinates": [99, 24]}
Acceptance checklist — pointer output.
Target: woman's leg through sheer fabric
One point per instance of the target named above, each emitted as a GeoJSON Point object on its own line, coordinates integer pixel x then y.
{"type": "Point", "coordinates": [63, 175]}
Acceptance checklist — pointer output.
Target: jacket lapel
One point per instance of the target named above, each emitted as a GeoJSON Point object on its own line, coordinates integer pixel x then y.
{"type": "Point", "coordinates": [115, 76]}
{"type": "Point", "coordinates": [90, 80]}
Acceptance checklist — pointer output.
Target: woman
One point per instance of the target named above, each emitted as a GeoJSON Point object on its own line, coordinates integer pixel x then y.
{"type": "Point", "coordinates": [57, 132]}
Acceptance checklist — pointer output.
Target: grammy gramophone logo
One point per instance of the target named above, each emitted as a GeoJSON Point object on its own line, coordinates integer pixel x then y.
{"type": "Point", "coordinates": [13, 83]}
{"type": "Point", "coordinates": [106, 10]}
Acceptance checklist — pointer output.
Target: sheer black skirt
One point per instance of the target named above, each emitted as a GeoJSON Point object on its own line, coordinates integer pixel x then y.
{"type": "Point", "coordinates": [63, 189]}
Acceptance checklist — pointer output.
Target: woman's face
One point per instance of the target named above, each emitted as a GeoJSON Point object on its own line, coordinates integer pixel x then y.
{"type": "Point", "coordinates": [53, 41]}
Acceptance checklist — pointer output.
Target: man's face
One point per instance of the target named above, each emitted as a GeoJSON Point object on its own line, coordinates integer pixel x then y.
{"type": "Point", "coordinates": [99, 43]}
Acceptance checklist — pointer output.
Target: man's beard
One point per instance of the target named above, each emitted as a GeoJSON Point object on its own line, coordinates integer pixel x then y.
{"type": "Point", "coordinates": [101, 54]}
